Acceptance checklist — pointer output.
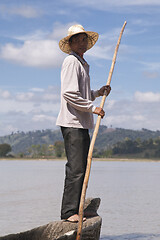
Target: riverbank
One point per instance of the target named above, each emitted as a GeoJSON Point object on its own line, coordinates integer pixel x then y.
{"type": "Point", "coordinates": [94, 159]}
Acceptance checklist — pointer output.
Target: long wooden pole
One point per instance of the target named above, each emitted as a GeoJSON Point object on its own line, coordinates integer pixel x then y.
{"type": "Point", "coordinates": [89, 159]}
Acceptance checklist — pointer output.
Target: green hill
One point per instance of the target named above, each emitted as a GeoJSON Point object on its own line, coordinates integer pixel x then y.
{"type": "Point", "coordinates": [21, 142]}
{"type": "Point", "coordinates": [107, 137]}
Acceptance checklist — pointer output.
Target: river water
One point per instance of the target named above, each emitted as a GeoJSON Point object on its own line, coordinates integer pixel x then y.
{"type": "Point", "coordinates": [31, 192]}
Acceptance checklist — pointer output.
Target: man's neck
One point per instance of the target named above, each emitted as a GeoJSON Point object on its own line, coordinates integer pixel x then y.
{"type": "Point", "coordinates": [81, 59]}
{"type": "Point", "coordinates": [81, 55]}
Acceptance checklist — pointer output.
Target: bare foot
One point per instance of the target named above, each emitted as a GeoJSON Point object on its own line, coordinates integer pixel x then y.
{"type": "Point", "coordinates": [74, 218]}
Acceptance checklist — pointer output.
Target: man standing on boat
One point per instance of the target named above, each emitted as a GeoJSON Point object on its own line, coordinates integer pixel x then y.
{"type": "Point", "coordinates": [76, 114]}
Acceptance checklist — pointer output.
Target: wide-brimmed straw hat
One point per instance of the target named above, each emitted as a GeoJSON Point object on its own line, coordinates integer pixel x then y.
{"type": "Point", "coordinates": [73, 30]}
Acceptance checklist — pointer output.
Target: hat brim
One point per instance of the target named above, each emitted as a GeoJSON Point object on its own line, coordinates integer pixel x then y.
{"type": "Point", "coordinates": [92, 39]}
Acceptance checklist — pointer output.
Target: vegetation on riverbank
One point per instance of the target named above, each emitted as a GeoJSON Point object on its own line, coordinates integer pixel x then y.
{"type": "Point", "coordinates": [4, 149]}
{"type": "Point", "coordinates": [110, 143]}
{"type": "Point", "coordinates": [127, 149]}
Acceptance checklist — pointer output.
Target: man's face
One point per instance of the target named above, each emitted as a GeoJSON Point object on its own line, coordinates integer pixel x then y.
{"type": "Point", "coordinates": [79, 43]}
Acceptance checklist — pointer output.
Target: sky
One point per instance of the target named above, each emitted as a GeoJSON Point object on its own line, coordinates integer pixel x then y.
{"type": "Point", "coordinates": [30, 60]}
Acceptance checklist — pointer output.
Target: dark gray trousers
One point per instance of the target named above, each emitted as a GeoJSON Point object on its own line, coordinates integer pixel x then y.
{"type": "Point", "coordinates": [76, 142]}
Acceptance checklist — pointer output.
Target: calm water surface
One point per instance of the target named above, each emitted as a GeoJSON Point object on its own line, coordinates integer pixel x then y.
{"type": "Point", "coordinates": [31, 192]}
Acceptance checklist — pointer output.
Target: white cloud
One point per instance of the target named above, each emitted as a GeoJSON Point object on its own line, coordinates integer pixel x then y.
{"type": "Point", "coordinates": [105, 47]}
{"type": "Point", "coordinates": [18, 121]}
{"type": "Point", "coordinates": [43, 118]}
{"type": "Point", "coordinates": [25, 96]}
{"type": "Point", "coordinates": [50, 97]}
{"type": "Point", "coordinates": [42, 53]}
{"type": "Point", "coordinates": [8, 105]}
{"type": "Point", "coordinates": [118, 2]}
{"type": "Point", "coordinates": [39, 110]}
{"type": "Point", "coordinates": [24, 11]}
{"type": "Point", "coordinates": [110, 35]}
{"type": "Point", "coordinates": [40, 49]}
{"type": "Point", "coordinates": [37, 89]}
{"type": "Point", "coordinates": [117, 5]}
{"type": "Point", "coordinates": [148, 97]}
{"type": "Point", "coordinates": [133, 115]}
{"type": "Point", "coordinates": [138, 2]}
{"type": "Point", "coordinates": [60, 30]}
{"type": "Point", "coordinates": [151, 75]}
{"type": "Point", "coordinates": [33, 36]}
{"type": "Point", "coordinates": [7, 129]}
{"type": "Point", "coordinates": [32, 110]}
{"type": "Point", "coordinates": [5, 94]}
{"type": "Point", "coordinates": [47, 100]}
{"type": "Point", "coordinates": [138, 117]}
{"type": "Point", "coordinates": [101, 52]}
{"type": "Point", "coordinates": [144, 22]}
{"type": "Point", "coordinates": [128, 121]}
{"type": "Point", "coordinates": [110, 104]}
{"type": "Point", "coordinates": [152, 66]}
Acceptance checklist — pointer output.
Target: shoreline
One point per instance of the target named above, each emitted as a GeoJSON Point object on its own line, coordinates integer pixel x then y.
{"type": "Point", "coordinates": [94, 159]}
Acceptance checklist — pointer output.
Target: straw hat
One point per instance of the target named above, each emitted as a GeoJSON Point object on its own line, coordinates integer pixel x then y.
{"type": "Point", "coordinates": [73, 30]}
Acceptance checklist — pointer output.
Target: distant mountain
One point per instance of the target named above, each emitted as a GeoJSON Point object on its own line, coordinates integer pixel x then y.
{"type": "Point", "coordinates": [21, 142]}
{"type": "Point", "coordinates": [107, 137]}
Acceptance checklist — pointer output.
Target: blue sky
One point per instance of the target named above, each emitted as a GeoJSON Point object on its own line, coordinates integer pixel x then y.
{"type": "Point", "coordinates": [30, 60]}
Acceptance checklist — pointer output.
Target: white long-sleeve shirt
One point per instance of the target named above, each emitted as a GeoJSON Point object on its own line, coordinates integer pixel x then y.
{"type": "Point", "coordinates": [76, 95]}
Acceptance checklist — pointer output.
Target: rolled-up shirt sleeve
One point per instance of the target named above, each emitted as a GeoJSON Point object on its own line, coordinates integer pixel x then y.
{"type": "Point", "coordinates": [76, 101]}
{"type": "Point", "coordinates": [70, 76]}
